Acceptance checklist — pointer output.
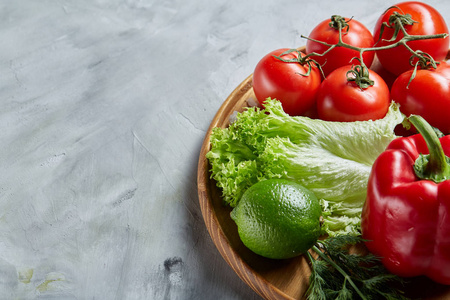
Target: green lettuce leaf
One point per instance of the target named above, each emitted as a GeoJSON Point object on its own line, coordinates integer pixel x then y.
{"type": "Point", "coordinates": [332, 159]}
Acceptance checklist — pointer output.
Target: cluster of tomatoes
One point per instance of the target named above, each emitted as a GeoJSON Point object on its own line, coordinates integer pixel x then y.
{"type": "Point", "coordinates": [333, 92]}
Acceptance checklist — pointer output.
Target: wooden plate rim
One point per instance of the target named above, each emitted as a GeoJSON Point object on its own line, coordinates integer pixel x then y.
{"type": "Point", "coordinates": [259, 284]}
{"type": "Point", "coordinates": [253, 279]}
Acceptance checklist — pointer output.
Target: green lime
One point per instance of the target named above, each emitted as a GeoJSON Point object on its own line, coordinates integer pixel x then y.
{"type": "Point", "coordinates": [278, 218]}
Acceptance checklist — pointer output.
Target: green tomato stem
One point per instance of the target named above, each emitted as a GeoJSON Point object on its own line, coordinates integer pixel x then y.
{"type": "Point", "coordinates": [336, 22]}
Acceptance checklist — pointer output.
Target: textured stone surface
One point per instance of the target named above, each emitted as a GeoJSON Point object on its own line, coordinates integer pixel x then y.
{"type": "Point", "coordinates": [104, 108]}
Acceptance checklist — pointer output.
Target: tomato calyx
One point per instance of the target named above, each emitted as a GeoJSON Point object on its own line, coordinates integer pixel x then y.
{"type": "Point", "coordinates": [419, 59]}
{"type": "Point", "coordinates": [397, 21]}
{"type": "Point", "coordinates": [339, 23]}
{"type": "Point", "coordinates": [425, 62]}
{"type": "Point", "coordinates": [300, 59]}
{"type": "Point", "coordinates": [360, 75]}
{"type": "Point", "coordinates": [404, 19]}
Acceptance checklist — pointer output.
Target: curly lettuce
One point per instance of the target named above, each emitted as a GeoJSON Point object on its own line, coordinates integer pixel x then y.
{"type": "Point", "coordinates": [332, 159]}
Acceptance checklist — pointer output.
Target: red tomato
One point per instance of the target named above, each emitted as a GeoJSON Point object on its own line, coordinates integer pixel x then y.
{"type": "Point", "coordinates": [387, 76]}
{"type": "Point", "coordinates": [344, 101]}
{"type": "Point", "coordinates": [430, 21]}
{"type": "Point", "coordinates": [283, 80]}
{"type": "Point", "coordinates": [427, 95]}
{"type": "Point", "coordinates": [358, 35]}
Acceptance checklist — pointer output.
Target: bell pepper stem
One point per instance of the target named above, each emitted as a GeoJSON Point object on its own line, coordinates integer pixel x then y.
{"type": "Point", "coordinates": [434, 166]}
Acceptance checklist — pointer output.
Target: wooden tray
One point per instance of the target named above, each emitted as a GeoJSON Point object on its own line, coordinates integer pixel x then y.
{"type": "Point", "coordinates": [271, 279]}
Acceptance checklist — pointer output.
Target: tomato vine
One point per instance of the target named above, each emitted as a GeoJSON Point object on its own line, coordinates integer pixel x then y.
{"type": "Point", "coordinates": [397, 22]}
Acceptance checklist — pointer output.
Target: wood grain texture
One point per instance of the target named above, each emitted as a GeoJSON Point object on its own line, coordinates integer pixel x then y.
{"type": "Point", "coordinates": [261, 274]}
{"type": "Point", "coordinates": [271, 279]}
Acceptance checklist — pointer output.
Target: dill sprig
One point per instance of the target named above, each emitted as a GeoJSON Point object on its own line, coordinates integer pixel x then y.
{"type": "Point", "coordinates": [338, 274]}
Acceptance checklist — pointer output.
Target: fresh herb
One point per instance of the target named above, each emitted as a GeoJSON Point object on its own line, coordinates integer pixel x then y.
{"type": "Point", "coordinates": [338, 274]}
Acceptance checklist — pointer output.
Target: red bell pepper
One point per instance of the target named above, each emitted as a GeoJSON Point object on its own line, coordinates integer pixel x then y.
{"type": "Point", "coordinates": [406, 215]}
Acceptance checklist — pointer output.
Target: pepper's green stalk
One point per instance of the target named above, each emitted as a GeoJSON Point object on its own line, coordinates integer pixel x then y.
{"type": "Point", "coordinates": [436, 165]}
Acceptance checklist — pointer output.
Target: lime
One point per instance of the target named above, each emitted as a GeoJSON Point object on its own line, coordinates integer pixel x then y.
{"type": "Point", "coordinates": [278, 218]}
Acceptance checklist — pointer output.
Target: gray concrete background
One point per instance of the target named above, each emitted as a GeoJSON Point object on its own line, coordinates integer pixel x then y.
{"type": "Point", "coordinates": [104, 106]}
